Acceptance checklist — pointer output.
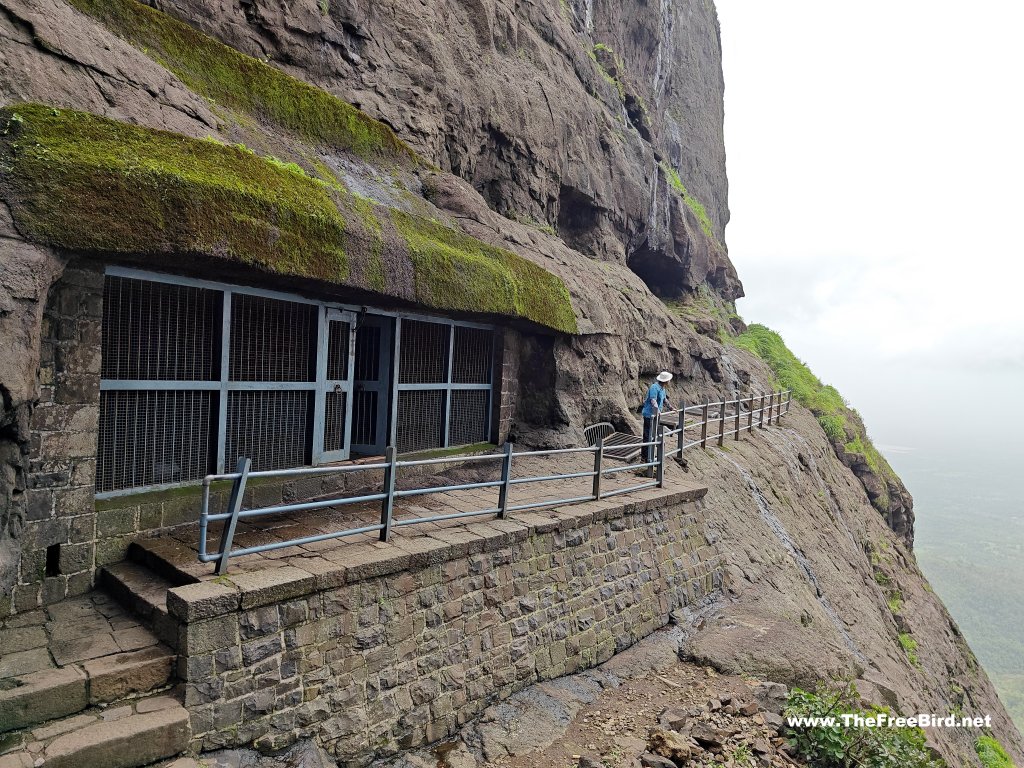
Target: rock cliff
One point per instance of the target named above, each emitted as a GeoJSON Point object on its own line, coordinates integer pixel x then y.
{"type": "Point", "coordinates": [582, 136]}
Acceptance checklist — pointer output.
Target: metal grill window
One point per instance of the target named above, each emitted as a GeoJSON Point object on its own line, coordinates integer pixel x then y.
{"type": "Point", "coordinates": [424, 354]}
{"type": "Point", "coordinates": [420, 420]}
{"type": "Point", "coordinates": [468, 416]}
{"type": "Point", "coordinates": [271, 428]}
{"type": "Point", "coordinates": [272, 340]}
{"type": "Point", "coordinates": [159, 331]}
{"type": "Point", "coordinates": [472, 359]}
{"type": "Point", "coordinates": [153, 438]}
{"type": "Point", "coordinates": [195, 375]}
{"type": "Point", "coordinates": [444, 388]}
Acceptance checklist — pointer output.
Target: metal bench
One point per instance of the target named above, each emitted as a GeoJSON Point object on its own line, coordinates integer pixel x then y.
{"type": "Point", "coordinates": [606, 430]}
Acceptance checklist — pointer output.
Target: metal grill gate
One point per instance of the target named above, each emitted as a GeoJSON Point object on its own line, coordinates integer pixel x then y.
{"type": "Point", "coordinates": [195, 374]}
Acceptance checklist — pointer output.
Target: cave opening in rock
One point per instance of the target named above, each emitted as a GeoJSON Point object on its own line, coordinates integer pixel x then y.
{"type": "Point", "coordinates": [665, 276]}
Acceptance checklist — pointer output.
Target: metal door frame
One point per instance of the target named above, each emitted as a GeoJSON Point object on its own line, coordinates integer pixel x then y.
{"type": "Point", "coordinates": [385, 374]}
{"type": "Point", "coordinates": [325, 385]}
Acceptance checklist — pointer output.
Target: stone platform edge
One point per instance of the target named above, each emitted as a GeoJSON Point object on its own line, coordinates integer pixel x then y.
{"type": "Point", "coordinates": [217, 596]}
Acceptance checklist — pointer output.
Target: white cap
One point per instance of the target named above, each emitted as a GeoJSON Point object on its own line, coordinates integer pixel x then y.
{"type": "Point", "coordinates": [664, 377]}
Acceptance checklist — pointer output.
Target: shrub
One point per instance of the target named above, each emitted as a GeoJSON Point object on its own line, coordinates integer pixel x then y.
{"type": "Point", "coordinates": [991, 753]}
{"type": "Point", "coordinates": [839, 746]}
{"type": "Point", "coordinates": [909, 645]}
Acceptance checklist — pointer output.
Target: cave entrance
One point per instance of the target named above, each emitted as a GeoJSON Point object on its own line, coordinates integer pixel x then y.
{"type": "Point", "coordinates": [664, 275]}
{"type": "Point", "coordinates": [195, 374]}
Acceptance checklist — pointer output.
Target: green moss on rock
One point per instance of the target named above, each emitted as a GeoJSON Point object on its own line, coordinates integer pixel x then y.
{"type": "Point", "coordinates": [83, 182]}
{"type": "Point", "coordinates": [457, 271]}
{"type": "Point", "coordinates": [695, 205]}
{"type": "Point", "coordinates": [243, 83]}
{"type": "Point", "coordinates": [80, 181]}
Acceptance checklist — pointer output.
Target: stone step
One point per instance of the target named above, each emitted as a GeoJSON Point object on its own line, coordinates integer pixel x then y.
{"type": "Point", "coordinates": [144, 593]}
{"type": "Point", "coordinates": [126, 735]}
{"type": "Point", "coordinates": [59, 660]}
{"type": "Point", "coordinates": [168, 558]}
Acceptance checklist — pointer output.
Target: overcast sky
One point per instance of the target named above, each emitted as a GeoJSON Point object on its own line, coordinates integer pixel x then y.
{"type": "Point", "coordinates": [876, 168]}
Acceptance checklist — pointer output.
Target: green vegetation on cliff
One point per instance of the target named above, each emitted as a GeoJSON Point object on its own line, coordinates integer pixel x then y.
{"type": "Point", "coordinates": [457, 271]}
{"type": "Point", "coordinates": [695, 205]}
{"type": "Point", "coordinates": [83, 182]}
{"type": "Point", "coordinates": [991, 753]}
{"type": "Point", "coordinates": [240, 82]}
{"type": "Point", "coordinates": [842, 746]}
{"type": "Point", "coordinates": [842, 425]}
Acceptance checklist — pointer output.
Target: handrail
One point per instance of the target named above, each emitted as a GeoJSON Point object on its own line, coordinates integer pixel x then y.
{"type": "Point", "coordinates": [653, 456]}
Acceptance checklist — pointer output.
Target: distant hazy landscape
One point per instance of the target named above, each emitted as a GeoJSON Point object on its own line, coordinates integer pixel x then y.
{"type": "Point", "coordinates": [970, 543]}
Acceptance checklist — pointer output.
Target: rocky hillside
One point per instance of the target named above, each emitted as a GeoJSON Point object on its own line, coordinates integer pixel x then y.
{"type": "Point", "coordinates": [578, 135]}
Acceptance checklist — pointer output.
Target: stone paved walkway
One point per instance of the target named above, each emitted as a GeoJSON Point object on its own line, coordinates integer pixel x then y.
{"type": "Point", "coordinates": [180, 546]}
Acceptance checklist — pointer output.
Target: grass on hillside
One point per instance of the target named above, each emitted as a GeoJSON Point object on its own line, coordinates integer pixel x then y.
{"type": "Point", "coordinates": [824, 401]}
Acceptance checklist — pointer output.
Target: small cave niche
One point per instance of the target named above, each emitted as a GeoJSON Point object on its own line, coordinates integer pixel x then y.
{"type": "Point", "coordinates": [579, 219]}
{"type": "Point", "coordinates": [664, 275]}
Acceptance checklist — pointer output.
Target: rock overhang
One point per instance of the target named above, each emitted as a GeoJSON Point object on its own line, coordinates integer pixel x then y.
{"type": "Point", "coordinates": [85, 183]}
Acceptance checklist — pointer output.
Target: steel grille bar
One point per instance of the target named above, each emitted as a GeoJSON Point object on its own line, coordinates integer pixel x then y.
{"type": "Point", "coordinates": [424, 353]}
{"type": "Point", "coordinates": [153, 438]}
{"type": "Point", "coordinates": [334, 421]}
{"type": "Point", "coordinates": [337, 350]}
{"type": "Point", "coordinates": [272, 428]}
{"type": "Point", "coordinates": [468, 416]}
{"type": "Point", "coordinates": [196, 373]}
{"type": "Point", "coordinates": [420, 420]}
{"type": "Point", "coordinates": [272, 340]}
{"type": "Point", "coordinates": [158, 331]}
{"type": "Point", "coordinates": [474, 351]}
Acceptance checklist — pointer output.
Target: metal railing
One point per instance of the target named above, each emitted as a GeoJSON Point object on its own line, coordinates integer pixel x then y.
{"type": "Point", "coordinates": [762, 409]}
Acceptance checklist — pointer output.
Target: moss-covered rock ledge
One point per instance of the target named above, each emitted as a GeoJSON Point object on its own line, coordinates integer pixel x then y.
{"type": "Point", "coordinates": [87, 183]}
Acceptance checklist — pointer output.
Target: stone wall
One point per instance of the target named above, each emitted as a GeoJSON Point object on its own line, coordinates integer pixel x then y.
{"type": "Point", "coordinates": [506, 377]}
{"type": "Point", "coordinates": [388, 647]}
{"type": "Point", "coordinates": [59, 543]}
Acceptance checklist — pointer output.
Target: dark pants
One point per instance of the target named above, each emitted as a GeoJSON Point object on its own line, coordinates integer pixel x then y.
{"type": "Point", "coordinates": [649, 435]}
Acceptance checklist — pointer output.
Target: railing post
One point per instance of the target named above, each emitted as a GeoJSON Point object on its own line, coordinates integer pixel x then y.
{"type": "Point", "coordinates": [387, 505]}
{"type": "Point", "coordinates": [771, 401]}
{"type": "Point", "coordinates": [660, 469]}
{"type": "Point", "coordinates": [737, 435]}
{"type": "Point", "coordinates": [234, 507]}
{"type": "Point", "coordinates": [760, 422]}
{"type": "Point", "coordinates": [598, 467]}
{"type": "Point", "coordinates": [704, 425]}
{"type": "Point", "coordinates": [721, 424]}
{"type": "Point", "coordinates": [506, 478]}
{"type": "Point", "coordinates": [789, 400]}
{"type": "Point", "coordinates": [778, 409]}
{"type": "Point", "coordinates": [681, 434]}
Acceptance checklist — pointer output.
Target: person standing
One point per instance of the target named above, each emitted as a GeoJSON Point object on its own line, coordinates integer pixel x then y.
{"type": "Point", "coordinates": [654, 404]}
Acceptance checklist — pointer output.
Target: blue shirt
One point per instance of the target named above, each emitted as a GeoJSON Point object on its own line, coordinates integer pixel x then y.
{"type": "Point", "coordinates": [657, 394]}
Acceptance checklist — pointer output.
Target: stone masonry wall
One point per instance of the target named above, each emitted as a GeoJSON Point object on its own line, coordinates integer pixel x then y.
{"type": "Point", "coordinates": [59, 500]}
{"type": "Point", "coordinates": [506, 377]}
{"type": "Point", "coordinates": [392, 646]}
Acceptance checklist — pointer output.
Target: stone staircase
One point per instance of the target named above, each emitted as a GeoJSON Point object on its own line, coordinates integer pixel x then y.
{"type": "Point", "coordinates": [84, 684]}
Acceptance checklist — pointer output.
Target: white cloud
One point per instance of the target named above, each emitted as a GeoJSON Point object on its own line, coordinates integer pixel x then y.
{"type": "Point", "coordinates": [876, 167]}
